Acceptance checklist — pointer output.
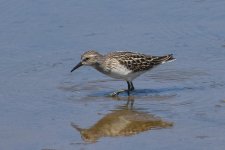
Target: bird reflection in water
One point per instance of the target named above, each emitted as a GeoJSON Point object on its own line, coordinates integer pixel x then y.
{"type": "Point", "coordinates": [124, 122]}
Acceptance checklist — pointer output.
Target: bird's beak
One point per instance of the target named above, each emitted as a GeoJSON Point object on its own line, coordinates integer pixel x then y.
{"type": "Point", "coordinates": [77, 127]}
{"type": "Point", "coordinates": [77, 66]}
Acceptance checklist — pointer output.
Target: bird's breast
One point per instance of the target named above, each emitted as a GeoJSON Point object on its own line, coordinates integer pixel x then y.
{"type": "Point", "coordinates": [113, 69]}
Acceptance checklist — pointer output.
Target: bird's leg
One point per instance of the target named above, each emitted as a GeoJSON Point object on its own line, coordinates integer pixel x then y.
{"type": "Point", "coordinates": [128, 89]}
{"type": "Point", "coordinates": [132, 86]}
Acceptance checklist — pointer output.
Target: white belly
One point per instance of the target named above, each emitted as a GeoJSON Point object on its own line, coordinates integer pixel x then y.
{"type": "Point", "coordinates": [121, 72]}
{"type": "Point", "coordinates": [115, 70]}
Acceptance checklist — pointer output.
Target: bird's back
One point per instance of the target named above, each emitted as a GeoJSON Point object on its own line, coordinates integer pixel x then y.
{"type": "Point", "coordinates": [137, 62]}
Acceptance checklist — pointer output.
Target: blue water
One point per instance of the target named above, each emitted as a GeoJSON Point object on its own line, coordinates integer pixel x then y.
{"type": "Point", "coordinates": [40, 42]}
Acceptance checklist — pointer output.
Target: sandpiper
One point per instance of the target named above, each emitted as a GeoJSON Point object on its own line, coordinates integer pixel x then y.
{"type": "Point", "coordinates": [123, 65]}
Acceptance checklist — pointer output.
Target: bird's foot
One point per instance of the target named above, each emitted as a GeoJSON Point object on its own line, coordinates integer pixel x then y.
{"type": "Point", "coordinates": [116, 93]}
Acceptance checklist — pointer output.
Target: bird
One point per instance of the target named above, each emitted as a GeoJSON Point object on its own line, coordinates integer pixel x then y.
{"type": "Point", "coordinates": [123, 65]}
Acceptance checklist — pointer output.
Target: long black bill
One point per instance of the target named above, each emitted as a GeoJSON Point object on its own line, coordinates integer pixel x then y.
{"type": "Point", "coordinates": [77, 66]}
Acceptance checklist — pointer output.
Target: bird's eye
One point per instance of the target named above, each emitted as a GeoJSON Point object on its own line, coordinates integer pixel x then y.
{"type": "Point", "coordinates": [85, 59]}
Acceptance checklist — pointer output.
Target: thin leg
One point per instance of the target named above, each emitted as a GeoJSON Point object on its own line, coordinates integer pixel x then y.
{"type": "Point", "coordinates": [128, 89]}
{"type": "Point", "coordinates": [132, 86]}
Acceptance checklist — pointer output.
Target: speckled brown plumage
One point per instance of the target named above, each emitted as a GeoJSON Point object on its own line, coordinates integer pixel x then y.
{"type": "Point", "coordinates": [139, 62]}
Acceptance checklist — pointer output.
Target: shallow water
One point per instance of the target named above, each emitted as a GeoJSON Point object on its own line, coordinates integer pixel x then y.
{"type": "Point", "coordinates": [42, 103]}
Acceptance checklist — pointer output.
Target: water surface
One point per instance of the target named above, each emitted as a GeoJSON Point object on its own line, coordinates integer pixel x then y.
{"type": "Point", "coordinates": [43, 105]}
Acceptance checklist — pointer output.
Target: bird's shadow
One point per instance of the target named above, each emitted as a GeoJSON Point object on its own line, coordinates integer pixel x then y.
{"type": "Point", "coordinates": [150, 92]}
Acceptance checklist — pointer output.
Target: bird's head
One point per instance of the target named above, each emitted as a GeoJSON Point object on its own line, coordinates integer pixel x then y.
{"type": "Point", "coordinates": [89, 58]}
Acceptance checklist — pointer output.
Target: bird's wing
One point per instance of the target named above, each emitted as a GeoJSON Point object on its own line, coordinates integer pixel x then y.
{"type": "Point", "coordinates": [139, 62]}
